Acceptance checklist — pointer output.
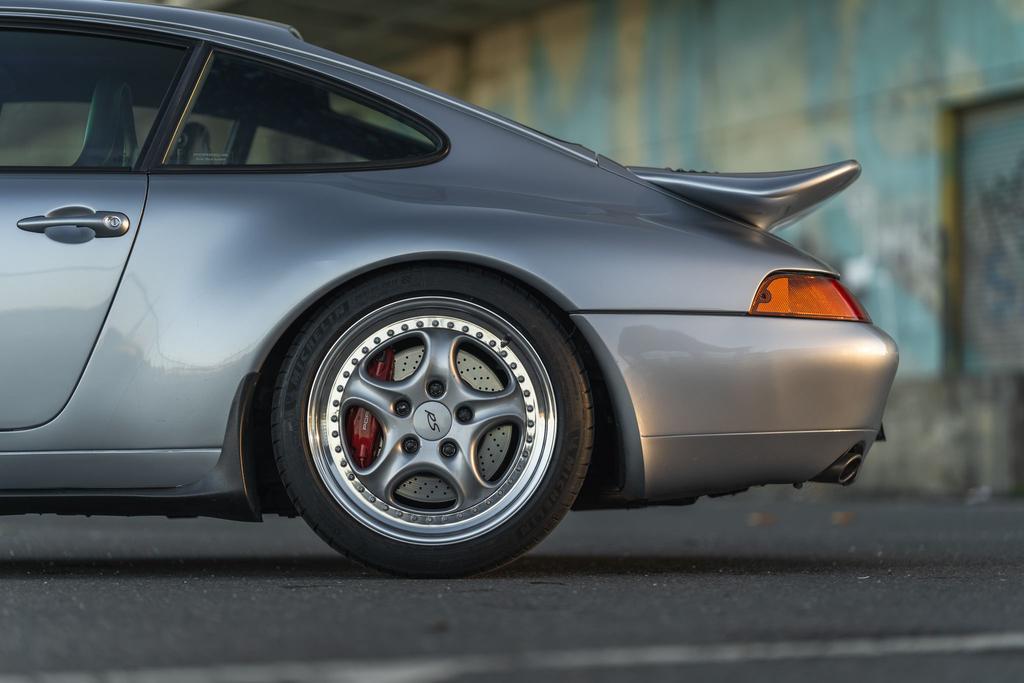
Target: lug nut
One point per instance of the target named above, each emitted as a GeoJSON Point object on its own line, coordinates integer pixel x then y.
{"type": "Point", "coordinates": [464, 414]}
{"type": "Point", "coordinates": [449, 449]}
{"type": "Point", "coordinates": [402, 408]}
{"type": "Point", "coordinates": [410, 445]}
{"type": "Point", "coordinates": [435, 389]}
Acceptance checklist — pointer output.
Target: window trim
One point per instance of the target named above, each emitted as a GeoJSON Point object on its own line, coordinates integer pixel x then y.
{"type": "Point", "coordinates": [164, 110]}
{"type": "Point", "coordinates": [373, 100]}
{"type": "Point", "coordinates": [177, 101]}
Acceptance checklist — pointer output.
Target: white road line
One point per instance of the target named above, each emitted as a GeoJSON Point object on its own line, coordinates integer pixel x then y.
{"type": "Point", "coordinates": [436, 670]}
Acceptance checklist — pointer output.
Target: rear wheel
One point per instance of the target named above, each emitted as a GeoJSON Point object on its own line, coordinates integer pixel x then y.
{"type": "Point", "coordinates": [433, 422]}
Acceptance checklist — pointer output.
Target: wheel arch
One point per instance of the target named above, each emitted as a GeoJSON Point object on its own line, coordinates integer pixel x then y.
{"type": "Point", "coordinates": [606, 477]}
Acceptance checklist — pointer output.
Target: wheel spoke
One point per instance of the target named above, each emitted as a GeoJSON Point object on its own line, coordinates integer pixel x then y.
{"type": "Point", "coordinates": [438, 357]}
{"type": "Point", "coordinates": [365, 391]}
{"type": "Point", "coordinates": [390, 469]}
{"type": "Point", "coordinates": [469, 486]}
{"type": "Point", "coordinates": [505, 407]}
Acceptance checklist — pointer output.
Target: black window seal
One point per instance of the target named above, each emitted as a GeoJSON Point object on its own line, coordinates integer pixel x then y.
{"type": "Point", "coordinates": [190, 46]}
{"type": "Point", "coordinates": [373, 100]}
{"type": "Point", "coordinates": [174, 110]}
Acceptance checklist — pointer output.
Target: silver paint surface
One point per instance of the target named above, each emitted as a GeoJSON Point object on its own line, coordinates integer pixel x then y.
{"type": "Point", "coordinates": [223, 264]}
{"type": "Point", "coordinates": [54, 296]}
{"type": "Point", "coordinates": [710, 391]}
{"type": "Point", "coordinates": [748, 373]}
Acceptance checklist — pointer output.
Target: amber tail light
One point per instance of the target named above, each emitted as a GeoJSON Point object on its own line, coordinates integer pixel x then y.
{"type": "Point", "coordinates": [803, 295]}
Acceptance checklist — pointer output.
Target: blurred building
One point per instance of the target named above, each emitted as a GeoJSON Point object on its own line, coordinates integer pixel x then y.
{"type": "Point", "coordinates": [927, 94]}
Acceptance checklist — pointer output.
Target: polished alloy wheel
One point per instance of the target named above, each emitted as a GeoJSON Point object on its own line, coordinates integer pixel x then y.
{"type": "Point", "coordinates": [431, 420]}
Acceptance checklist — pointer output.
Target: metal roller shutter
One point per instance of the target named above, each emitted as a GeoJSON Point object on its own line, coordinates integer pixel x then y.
{"type": "Point", "coordinates": [992, 221]}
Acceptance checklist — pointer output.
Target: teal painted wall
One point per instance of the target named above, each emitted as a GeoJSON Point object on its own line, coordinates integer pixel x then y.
{"type": "Point", "coordinates": [770, 84]}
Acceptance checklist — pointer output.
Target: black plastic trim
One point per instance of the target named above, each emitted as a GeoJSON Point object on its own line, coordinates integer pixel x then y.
{"type": "Point", "coordinates": [172, 109]}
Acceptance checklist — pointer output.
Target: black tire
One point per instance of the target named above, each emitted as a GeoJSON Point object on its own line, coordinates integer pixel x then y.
{"type": "Point", "coordinates": [551, 336]}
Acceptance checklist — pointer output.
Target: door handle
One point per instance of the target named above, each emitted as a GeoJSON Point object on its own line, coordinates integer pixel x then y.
{"type": "Point", "coordinates": [102, 223]}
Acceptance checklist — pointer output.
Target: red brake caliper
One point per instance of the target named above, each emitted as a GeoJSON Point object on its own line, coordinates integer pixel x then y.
{"type": "Point", "coordinates": [361, 425]}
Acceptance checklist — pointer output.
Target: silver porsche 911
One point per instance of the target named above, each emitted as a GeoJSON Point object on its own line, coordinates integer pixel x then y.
{"type": "Point", "coordinates": [242, 275]}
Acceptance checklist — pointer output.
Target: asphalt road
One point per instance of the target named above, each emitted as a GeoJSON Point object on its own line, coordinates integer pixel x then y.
{"type": "Point", "coordinates": [731, 589]}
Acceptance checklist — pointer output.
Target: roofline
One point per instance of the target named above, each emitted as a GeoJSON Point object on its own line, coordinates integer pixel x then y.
{"type": "Point", "coordinates": [258, 20]}
{"type": "Point", "coordinates": [125, 13]}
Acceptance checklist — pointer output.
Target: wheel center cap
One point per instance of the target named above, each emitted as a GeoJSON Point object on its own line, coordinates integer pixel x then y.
{"type": "Point", "coordinates": [432, 420]}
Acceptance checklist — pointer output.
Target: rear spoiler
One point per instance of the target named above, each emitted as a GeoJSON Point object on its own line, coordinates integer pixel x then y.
{"type": "Point", "coordinates": [766, 201]}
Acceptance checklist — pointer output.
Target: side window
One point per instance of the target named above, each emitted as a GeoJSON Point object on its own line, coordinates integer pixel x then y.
{"type": "Point", "coordinates": [79, 101]}
{"type": "Point", "coordinates": [249, 114]}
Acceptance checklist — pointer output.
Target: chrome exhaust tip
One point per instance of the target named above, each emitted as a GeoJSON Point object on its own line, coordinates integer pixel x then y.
{"type": "Point", "coordinates": [843, 471]}
{"type": "Point", "coordinates": [850, 469]}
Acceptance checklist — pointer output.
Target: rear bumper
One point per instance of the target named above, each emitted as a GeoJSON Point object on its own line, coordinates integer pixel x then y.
{"type": "Point", "coordinates": [721, 402]}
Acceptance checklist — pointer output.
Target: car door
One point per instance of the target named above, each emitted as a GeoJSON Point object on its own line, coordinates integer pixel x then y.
{"type": "Point", "coordinates": [76, 110]}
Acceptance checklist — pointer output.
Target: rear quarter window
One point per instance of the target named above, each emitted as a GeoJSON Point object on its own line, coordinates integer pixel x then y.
{"type": "Point", "coordinates": [247, 113]}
